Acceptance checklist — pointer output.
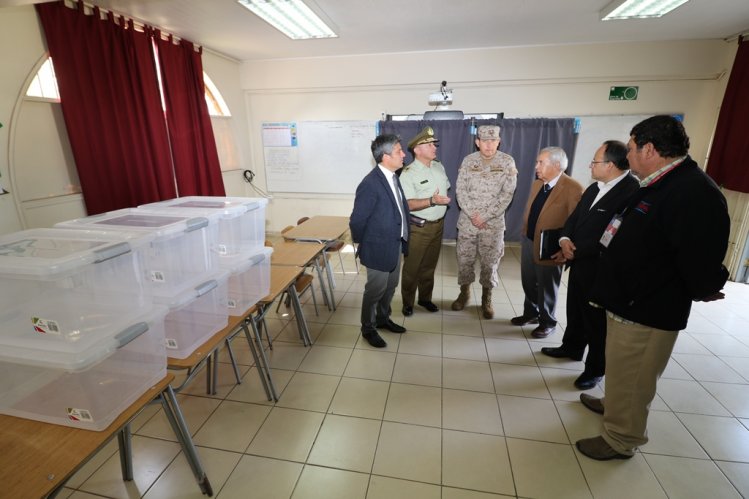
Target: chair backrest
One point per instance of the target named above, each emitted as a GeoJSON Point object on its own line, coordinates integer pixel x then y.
{"type": "Point", "coordinates": [287, 229]}
{"type": "Point", "coordinates": [268, 244]}
{"type": "Point", "coordinates": [302, 220]}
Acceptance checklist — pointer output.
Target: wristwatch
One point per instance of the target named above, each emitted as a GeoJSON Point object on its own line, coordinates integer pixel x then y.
{"type": "Point", "coordinates": [431, 201]}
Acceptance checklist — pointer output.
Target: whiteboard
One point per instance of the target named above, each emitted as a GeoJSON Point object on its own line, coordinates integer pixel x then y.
{"type": "Point", "coordinates": [317, 156]}
{"type": "Point", "coordinates": [594, 131]}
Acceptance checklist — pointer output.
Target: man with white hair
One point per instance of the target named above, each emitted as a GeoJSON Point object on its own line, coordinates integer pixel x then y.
{"type": "Point", "coordinates": [553, 198]}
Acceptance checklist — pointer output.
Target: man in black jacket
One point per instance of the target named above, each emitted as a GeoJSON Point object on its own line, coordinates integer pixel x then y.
{"type": "Point", "coordinates": [662, 252]}
{"type": "Point", "coordinates": [586, 325]}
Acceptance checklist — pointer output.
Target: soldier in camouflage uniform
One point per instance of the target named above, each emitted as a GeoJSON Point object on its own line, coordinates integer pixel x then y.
{"type": "Point", "coordinates": [486, 183]}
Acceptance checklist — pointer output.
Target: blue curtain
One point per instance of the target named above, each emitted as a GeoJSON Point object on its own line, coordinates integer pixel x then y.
{"type": "Point", "coordinates": [522, 138]}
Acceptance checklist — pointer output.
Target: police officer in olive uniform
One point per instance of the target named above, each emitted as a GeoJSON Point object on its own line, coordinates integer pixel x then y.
{"type": "Point", "coordinates": [425, 185]}
{"type": "Point", "coordinates": [486, 183]}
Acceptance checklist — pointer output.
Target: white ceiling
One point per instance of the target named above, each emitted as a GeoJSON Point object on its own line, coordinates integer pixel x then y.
{"type": "Point", "coordinates": [382, 26]}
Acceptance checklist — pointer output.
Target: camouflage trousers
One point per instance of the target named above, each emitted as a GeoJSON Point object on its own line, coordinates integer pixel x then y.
{"type": "Point", "coordinates": [486, 245]}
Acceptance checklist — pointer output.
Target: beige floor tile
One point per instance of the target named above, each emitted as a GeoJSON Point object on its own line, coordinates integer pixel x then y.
{"type": "Point", "coordinates": [360, 397]}
{"type": "Point", "coordinates": [346, 443]}
{"type": "Point", "coordinates": [382, 487]}
{"type": "Point", "coordinates": [347, 316]}
{"type": "Point", "coordinates": [414, 404]}
{"type": "Point", "coordinates": [371, 364]}
{"type": "Point", "coordinates": [668, 436]}
{"type": "Point", "coordinates": [337, 335]}
{"type": "Point", "coordinates": [621, 479]}
{"type": "Point", "coordinates": [79, 495]}
{"type": "Point", "coordinates": [150, 457]}
{"type": "Point", "coordinates": [723, 344]}
{"type": "Point", "coordinates": [523, 381]}
{"type": "Point", "coordinates": [251, 389]}
{"type": "Point", "coordinates": [531, 418]}
{"type": "Point", "coordinates": [261, 478]}
{"type": "Point", "coordinates": [391, 339]}
{"type": "Point", "coordinates": [286, 355]}
{"type": "Point", "coordinates": [544, 469]}
{"type": "Point", "coordinates": [422, 321]}
{"type": "Point", "coordinates": [241, 351]}
{"type": "Point", "coordinates": [463, 347]}
{"type": "Point", "coordinates": [326, 360]}
{"type": "Point", "coordinates": [578, 421]}
{"type": "Point", "coordinates": [93, 464]}
{"type": "Point", "coordinates": [309, 392]}
{"type": "Point", "coordinates": [178, 481]}
{"type": "Point", "coordinates": [724, 439]}
{"type": "Point", "coordinates": [561, 384]}
{"type": "Point", "coordinates": [734, 397]}
{"type": "Point", "coordinates": [467, 375]}
{"type": "Point", "coordinates": [225, 381]}
{"type": "Point", "coordinates": [418, 369]}
{"type": "Point", "coordinates": [675, 371]}
{"type": "Point", "coordinates": [419, 343]}
{"type": "Point", "coordinates": [686, 343]}
{"type": "Point", "coordinates": [290, 334]}
{"type": "Point", "coordinates": [738, 364]}
{"type": "Point", "coordinates": [510, 352]}
{"type": "Point", "coordinates": [707, 368]}
{"type": "Point", "coordinates": [689, 397]}
{"type": "Point", "coordinates": [475, 461]}
{"type": "Point", "coordinates": [452, 324]}
{"type": "Point", "coordinates": [232, 426]}
{"type": "Point", "coordinates": [503, 330]}
{"type": "Point", "coordinates": [196, 410]}
{"type": "Point", "coordinates": [287, 434]}
{"type": "Point", "coordinates": [471, 411]}
{"type": "Point", "coordinates": [683, 477]}
{"type": "Point", "coordinates": [453, 493]}
{"type": "Point", "coordinates": [410, 452]}
{"type": "Point", "coordinates": [326, 483]}
{"type": "Point", "coordinates": [738, 474]}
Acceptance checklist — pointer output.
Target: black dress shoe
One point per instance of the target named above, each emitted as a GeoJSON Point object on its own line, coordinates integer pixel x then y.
{"type": "Point", "coordinates": [561, 353]}
{"type": "Point", "coordinates": [523, 320]}
{"type": "Point", "coordinates": [408, 310]}
{"type": "Point", "coordinates": [391, 326]}
{"type": "Point", "coordinates": [429, 306]}
{"type": "Point", "coordinates": [597, 448]}
{"type": "Point", "coordinates": [543, 331]}
{"type": "Point", "coordinates": [375, 340]}
{"type": "Point", "coordinates": [586, 381]}
{"type": "Point", "coordinates": [593, 403]}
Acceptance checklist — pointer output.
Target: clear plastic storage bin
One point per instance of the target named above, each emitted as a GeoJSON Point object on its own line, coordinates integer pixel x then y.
{"type": "Point", "coordinates": [179, 256]}
{"type": "Point", "coordinates": [196, 315]}
{"type": "Point", "coordinates": [241, 231]}
{"type": "Point", "coordinates": [249, 281]}
{"type": "Point", "coordinates": [85, 381]}
{"type": "Point", "coordinates": [66, 284]}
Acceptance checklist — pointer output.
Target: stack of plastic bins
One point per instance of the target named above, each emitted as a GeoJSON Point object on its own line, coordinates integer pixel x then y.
{"type": "Point", "coordinates": [249, 281]}
{"type": "Point", "coordinates": [80, 339]}
{"type": "Point", "coordinates": [181, 269]}
{"type": "Point", "coordinates": [241, 232]}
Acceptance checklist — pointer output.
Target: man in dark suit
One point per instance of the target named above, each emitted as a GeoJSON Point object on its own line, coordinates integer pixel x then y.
{"type": "Point", "coordinates": [580, 249]}
{"type": "Point", "coordinates": [553, 197]}
{"type": "Point", "coordinates": [379, 226]}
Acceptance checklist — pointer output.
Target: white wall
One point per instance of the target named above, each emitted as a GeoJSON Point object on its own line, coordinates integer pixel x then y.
{"type": "Point", "coordinates": [549, 81]}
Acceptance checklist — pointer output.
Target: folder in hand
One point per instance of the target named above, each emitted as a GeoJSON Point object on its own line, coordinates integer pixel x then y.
{"type": "Point", "coordinates": [549, 243]}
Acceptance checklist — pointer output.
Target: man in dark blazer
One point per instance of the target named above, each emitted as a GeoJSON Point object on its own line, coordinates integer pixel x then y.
{"type": "Point", "coordinates": [580, 249]}
{"type": "Point", "coordinates": [553, 197]}
{"type": "Point", "coordinates": [379, 225]}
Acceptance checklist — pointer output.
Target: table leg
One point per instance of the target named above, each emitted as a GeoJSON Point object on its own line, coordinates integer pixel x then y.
{"type": "Point", "coordinates": [124, 439]}
{"type": "Point", "coordinates": [329, 299]}
{"type": "Point", "coordinates": [262, 364]}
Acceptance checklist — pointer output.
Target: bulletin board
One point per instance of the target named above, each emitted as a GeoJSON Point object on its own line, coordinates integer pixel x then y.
{"type": "Point", "coordinates": [317, 156]}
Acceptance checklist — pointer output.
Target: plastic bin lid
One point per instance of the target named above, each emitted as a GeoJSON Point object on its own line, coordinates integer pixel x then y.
{"type": "Point", "coordinates": [211, 282]}
{"type": "Point", "coordinates": [243, 265]}
{"type": "Point", "coordinates": [227, 206]}
{"type": "Point", "coordinates": [143, 221]}
{"type": "Point", "coordinates": [86, 350]}
{"type": "Point", "coordinates": [58, 252]}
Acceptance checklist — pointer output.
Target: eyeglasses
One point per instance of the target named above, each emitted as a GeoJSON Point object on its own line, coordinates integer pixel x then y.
{"type": "Point", "coordinates": [596, 162]}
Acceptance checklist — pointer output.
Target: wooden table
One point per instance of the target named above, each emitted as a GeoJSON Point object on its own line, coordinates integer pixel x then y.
{"type": "Point", "coordinates": [38, 458]}
{"type": "Point", "coordinates": [283, 278]}
{"type": "Point", "coordinates": [321, 229]}
{"type": "Point", "coordinates": [302, 254]}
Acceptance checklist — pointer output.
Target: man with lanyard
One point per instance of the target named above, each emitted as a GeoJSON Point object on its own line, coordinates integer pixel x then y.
{"type": "Point", "coordinates": [425, 184]}
{"type": "Point", "coordinates": [662, 252]}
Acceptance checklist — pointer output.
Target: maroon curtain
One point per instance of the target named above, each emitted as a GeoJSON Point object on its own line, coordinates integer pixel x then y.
{"type": "Point", "coordinates": [196, 164]}
{"type": "Point", "coordinates": [730, 150]}
{"type": "Point", "coordinates": [111, 105]}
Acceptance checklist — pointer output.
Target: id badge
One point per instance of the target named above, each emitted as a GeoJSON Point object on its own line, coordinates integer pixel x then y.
{"type": "Point", "coordinates": [610, 231]}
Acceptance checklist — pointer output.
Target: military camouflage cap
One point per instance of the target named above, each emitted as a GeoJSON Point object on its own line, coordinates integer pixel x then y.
{"type": "Point", "coordinates": [426, 136]}
{"type": "Point", "coordinates": [488, 132]}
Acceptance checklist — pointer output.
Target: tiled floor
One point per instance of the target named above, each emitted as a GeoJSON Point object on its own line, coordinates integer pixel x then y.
{"type": "Point", "coordinates": [456, 408]}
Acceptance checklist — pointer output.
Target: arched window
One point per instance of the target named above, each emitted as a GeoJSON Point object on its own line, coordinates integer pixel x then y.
{"type": "Point", "coordinates": [44, 86]}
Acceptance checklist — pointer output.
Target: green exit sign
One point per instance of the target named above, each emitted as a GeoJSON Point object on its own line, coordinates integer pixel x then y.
{"type": "Point", "coordinates": [623, 93]}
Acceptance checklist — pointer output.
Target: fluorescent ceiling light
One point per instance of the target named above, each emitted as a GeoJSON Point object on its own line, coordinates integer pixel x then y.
{"type": "Point", "coordinates": [628, 9]}
{"type": "Point", "coordinates": [291, 17]}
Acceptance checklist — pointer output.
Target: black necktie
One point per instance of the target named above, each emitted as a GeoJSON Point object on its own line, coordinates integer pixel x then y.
{"type": "Point", "coordinates": [404, 227]}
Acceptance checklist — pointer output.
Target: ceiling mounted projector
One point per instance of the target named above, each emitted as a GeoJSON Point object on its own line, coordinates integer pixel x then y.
{"type": "Point", "coordinates": [442, 99]}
